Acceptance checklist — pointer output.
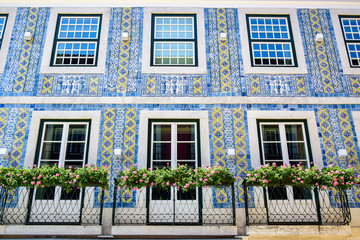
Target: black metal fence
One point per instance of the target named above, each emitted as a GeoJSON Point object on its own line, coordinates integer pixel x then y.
{"type": "Point", "coordinates": [51, 205]}
{"type": "Point", "coordinates": [170, 206]}
{"type": "Point", "coordinates": [296, 205]}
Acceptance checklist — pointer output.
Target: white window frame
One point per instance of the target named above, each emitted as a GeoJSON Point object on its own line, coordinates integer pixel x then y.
{"type": "Point", "coordinates": [343, 53]}
{"type": "Point", "coordinates": [202, 116]}
{"type": "Point", "coordinates": [201, 53]}
{"type": "Point", "coordinates": [63, 141]}
{"type": "Point", "coordinates": [297, 40]}
{"type": "Point", "coordinates": [50, 36]}
{"type": "Point", "coordinates": [309, 116]}
{"type": "Point", "coordinates": [173, 161]}
{"type": "Point", "coordinates": [4, 49]}
{"type": "Point", "coordinates": [67, 116]}
{"type": "Point", "coordinates": [283, 141]}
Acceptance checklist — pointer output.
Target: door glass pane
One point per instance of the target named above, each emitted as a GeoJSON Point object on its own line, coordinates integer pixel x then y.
{"type": "Point", "coordinates": [186, 133]}
{"type": "Point", "coordinates": [301, 193]}
{"type": "Point", "coordinates": [162, 151]}
{"type": "Point", "coordinates": [277, 193]}
{"type": "Point", "coordinates": [272, 151]}
{"type": "Point", "coordinates": [186, 151]}
{"type": "Point", "coordinates": [160, 193]}
{"type": "Point", "coordinates": [77, 133]}
{"type": "Point", "coordinates": [296, 151]}
{"type": "Point", "coordinates": [161, 165]}
{"type": "Point", "coordinates": [47, 193]}
{"type": "Point", "coordinates": [51, 151]}
{"type": "Point", "coordinates": [72, 195]}
{"type": "Point", "coordinates": [190, 194]}
{"type": "Point", "coordinates": [53, 132]}
{"type": "Point", "coordinates": [162, 132]}
{"type": "Point", "coordinates": [294, 133]}
{"type": "Point", "coordinates": [270, 133]}
{"type": "Point", "coordinates": [75, 151]}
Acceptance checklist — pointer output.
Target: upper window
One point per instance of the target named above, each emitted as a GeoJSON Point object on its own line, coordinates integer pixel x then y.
{"type": "Point", "coordinates": [3, 19]}
{"type": "Point", "coordinates": [173, 40]}
{"type": "Point", "coordinates": [351, 31]}
{"type": "Point", "coordinates": [271, 41]}
{"type": "Point", "coordinates": [76, 40]}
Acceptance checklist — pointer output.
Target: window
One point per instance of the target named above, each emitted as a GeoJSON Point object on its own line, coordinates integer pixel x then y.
{"type": "Point", "coordinates": [271, 41]}
{"type": "Point", "coordinates": [284, 143]}
{"type": "Point", "coordinates": [3, 19]}
{"type": "Point", "coordinates": [173, 143]}
{"type": "Point", "coordinates": [76, 40]}
{"type": "Point", "coordinates": [174, 40]}
{"type": "Point", "coordinates": [63, 143]}
{"type": "Point", "coordinates": [351, 32]}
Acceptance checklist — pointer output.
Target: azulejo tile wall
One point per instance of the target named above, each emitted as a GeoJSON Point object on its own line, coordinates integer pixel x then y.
{"type": "Point", "coordinates": [225, 75]}
{"type": "Point", "coordinates": [228, 129]}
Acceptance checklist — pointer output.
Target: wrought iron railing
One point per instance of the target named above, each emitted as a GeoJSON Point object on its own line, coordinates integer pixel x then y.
{"type": "Point", "coordinates": [51, 205]}
{"type": "Point", "coordinates": [295, 205]}
{"type": "Point", "coordinates": [170, 206]}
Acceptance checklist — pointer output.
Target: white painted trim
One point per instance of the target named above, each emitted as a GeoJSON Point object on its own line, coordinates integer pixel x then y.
{"type": "Point", "coordinates": [50, 36]}
{"type": "Point", "coordinates": [187, 3]}
{"type": "Point", "coordinates": [180, 100]}
{"type": "Point", "coordinates": [356, 119]}
{"type": "Point", "coordinates": [144, 117]}
{"type": "Point", "coordinates": [7, 35]}
{"type": "Point", "coordinates": [35, 230]}
{"type": "Point", "coordinates": [201, 68]}
{"type": "Point", "coordinates": [95, 117]}
{"type": "Point", "coordinates": [299, 49]}
{"type": "Point", "coordinates": [187, 231]}
{"type": "Point", "coordinates": [334, 13]}
{"type": "Point", "coordinates": [309, 116]}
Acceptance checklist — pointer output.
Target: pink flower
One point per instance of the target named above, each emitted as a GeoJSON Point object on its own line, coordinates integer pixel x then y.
{"type": "Point", "coordinates": [301, 181]}
{"type": "Point", "coordinates": [298, 178]}
{"type": "Point", "coordinates": [134, 172]}
{"type": "Point", "coordinates": [77, 176]}
{"type": "Point", "coordinates": [174, 184]}
{"type": "Point", "coordinates": [248, 175]}
{"type": "Point", "coordinates": [316, 184]}
{"type": "Point", "coordinates": [322, 187]}
{"type": "Point", "coordinates": [32, 182]}
{"type": "Point", "coordinates": [152, 184]}
{"type": "Point", "coordinates": [205, 179]}
{"type": "Point", "coordinates": [42, 186]}
{"type": "Point", "coordinates": [266, 181]}
{"type": "Point", "coordinates": [168, 183]}
{"type": "Point", "coordinates": [195, 170]}
{"type": "Point", "coordinates": [74, 180]}
{"type": "Point", "coordinates": [10, 179]}
{"type": "Point", "coordinates": [24, 181]}
{"type": "Point", "coordinates": [212, 172]}
{"type": "Point", "coordinates": [57, 175]}
{"type": "Point", "coordinates": [253, 179]}
{"type": "Point", "coordinates": [144, 175]}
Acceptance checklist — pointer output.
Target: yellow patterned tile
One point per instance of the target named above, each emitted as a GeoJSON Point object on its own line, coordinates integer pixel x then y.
{"type": "Point", "coordinates": [25, 51]}
{"type": "Point", "coordinates": [355, 84]}
{"type": "Point", "coordinates": [47, 84]}
{"type": "Point", "coordinates": [255, 85]}
{"type": "Point", "coordinates": [150, 85]}
{"type": "Point", "coordinates": [19, 136]}
{"type": "Point", "coordinates": [124, 52]}
{"type": "Point", "coordinates": [94, 84]}
{"type": "Point", "coordinates": [223, 52]}
{"type": "Point", "coordinates": [300, 84]}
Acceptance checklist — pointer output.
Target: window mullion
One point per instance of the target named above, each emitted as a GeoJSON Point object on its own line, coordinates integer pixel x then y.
{"type": "Point", "coordinates": [284, 146]}
{"type": "Point", "coordinates": [173, 145]}
{"type": "Point", "coordinates": [63, 144]}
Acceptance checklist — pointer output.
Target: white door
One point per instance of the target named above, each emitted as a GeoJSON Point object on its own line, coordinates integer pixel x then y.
{"type": "Point", "coordinates": [64, 144]}
{"type": "Point", "coordinates": [173, 143]}
{"type": "Point", "coordinates": [285, 143]}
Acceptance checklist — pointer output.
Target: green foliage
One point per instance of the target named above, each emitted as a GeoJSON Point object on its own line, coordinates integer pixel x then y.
{"type": "Point", "coordinates": [299, 175]}
{"type": "Point", "coordinates": [181, 177]}
{"type": "Point", "coordinates": [45, 176]}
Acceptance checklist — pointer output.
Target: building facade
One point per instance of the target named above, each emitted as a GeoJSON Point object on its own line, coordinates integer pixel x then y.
{"type": "Point", "coordinates": [275, 82]}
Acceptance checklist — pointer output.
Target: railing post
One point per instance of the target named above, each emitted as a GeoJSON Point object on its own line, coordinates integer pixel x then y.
{"type": "Point", "coordinates": [246, 202]}
{"type": "Point", "coordinates": [114, 203]}
{"type": "Point", "coordinates": [101, 205]}
{"type": "Point", "coordinates": [318, 205]}
{"type": "Point", "coordinates": [3, 196]}
{"type": "Point", "coordinates": [148, 204]}
{"type": "Point", "coordinates": [201, 205]}
{"type": "Point", "coordinates": [174, 205]}
{"type": "Point", "coordinates": [233, 202]}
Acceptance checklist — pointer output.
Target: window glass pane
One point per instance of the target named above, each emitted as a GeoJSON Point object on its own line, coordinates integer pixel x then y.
{"type": "Point", "coordinates": [51, 151]}
{"type": "Point", "coordinates": [190, 194]}
{"type": "Point", "coordinates": [72, 195]}
{"type": "Point", "coordinates": [354, 53]}
{"type": "Point", "coordinates": [272, 151]}
{"type": "Point", "coordinates": [301, 193]}
{"type": "Point", "coordinates": [177, 52]}
{"type": "Point", "coordinates": [2, 26]}
{"type": "Point", "coordinates": [272, 54]}
{"type": "Point", "coordinates": [294, 133]}
{"type": "Point", "coordinates": [296, 151]}
{"type": "Point", "coordinates": [75, 151]}
{"type": "Point", "coordinates": [162, 151]}
{"type": "Point", "coordinates": [351, 27]}
{"type": "Point", "coordinates": [53, 132]}
{"type": "Point", "coordinates": [174, 27]}
{"type": "Point", "coordinates": [75, 53]}
{"type": "Point", "coordinates": [162, 132]}
{"type": "Point", "coordinates": [270, 133]}
{"type": "Point", "coordinates": [160, 193]}
{"type": "Point", "coordinates": [186, 151]}
{"type": "Point", "coordinates": [74, 164]}
{"type": "Point", "coordinates": [277, 193]}
{"type": "Point", "coordinates": [269, 28]}
{"type": "Point", "coordinates": [189, 164]}
{"type": "Point", "coordinates": [79, 27]}
{"type": "Point", "coordinates": [77, 133]}
{"type": "Point", "coordinates": [163, 164]}
{"type": "Point", "coordinates": [186, 132]}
